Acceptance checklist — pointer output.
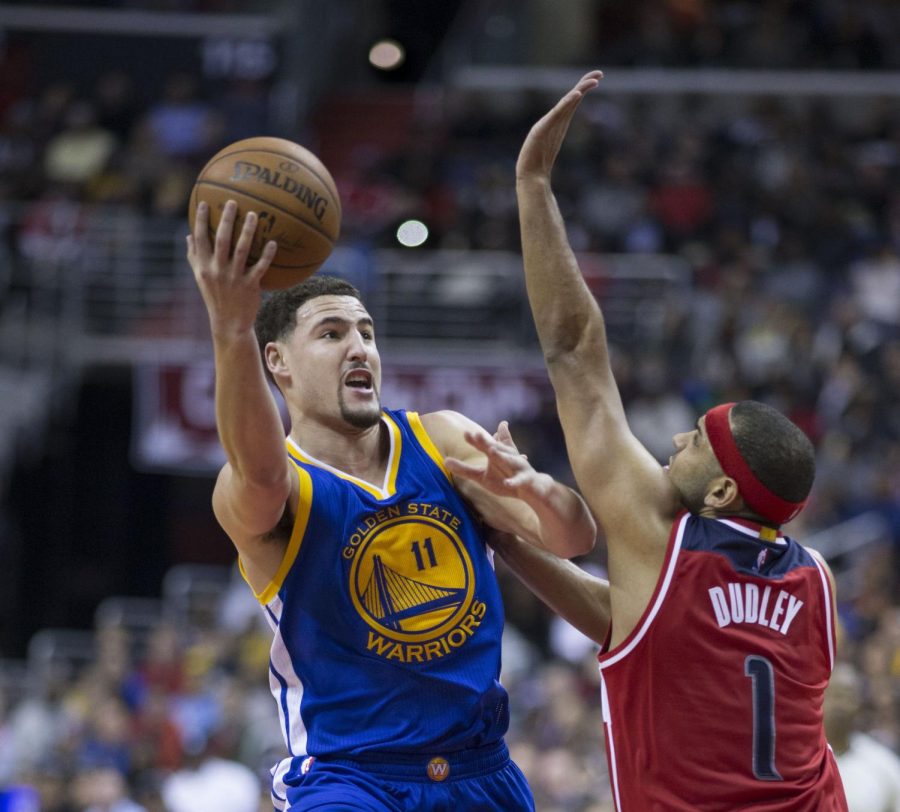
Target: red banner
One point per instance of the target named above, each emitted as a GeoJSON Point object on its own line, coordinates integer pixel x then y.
{"type": "Point", "coordinates": [174, 427]}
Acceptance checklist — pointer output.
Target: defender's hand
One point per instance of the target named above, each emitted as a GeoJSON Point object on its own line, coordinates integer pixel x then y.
{"type": "Point", "coordinates": [505, 472]}
{"type": "Point", "coordinates": [541, 146]}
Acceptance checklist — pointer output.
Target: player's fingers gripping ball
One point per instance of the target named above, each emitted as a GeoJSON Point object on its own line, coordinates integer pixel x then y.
{"type": "Point", "coordinates": [293, 195]}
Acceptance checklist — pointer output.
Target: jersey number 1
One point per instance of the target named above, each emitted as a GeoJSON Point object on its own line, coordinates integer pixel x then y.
{"type": "Point", "coordinates": [762, 678]}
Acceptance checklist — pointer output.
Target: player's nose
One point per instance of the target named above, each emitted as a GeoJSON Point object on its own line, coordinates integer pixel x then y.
{"type": "Point", "coordinates": [356, 349]}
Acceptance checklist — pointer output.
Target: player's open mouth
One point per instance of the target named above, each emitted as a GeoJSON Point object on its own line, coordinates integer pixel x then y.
{"type": "Point", "coordinates": [360, 379]}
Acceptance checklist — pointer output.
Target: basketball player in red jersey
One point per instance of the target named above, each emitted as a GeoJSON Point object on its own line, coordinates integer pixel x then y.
{"type": "Point", "coordinates": [722, 630]}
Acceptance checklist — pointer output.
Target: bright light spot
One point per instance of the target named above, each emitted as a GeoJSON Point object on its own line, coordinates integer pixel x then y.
{"type": "Point", "coordinates": [412, 233]}
{"type": "Point", "coordinates": [387, 54]}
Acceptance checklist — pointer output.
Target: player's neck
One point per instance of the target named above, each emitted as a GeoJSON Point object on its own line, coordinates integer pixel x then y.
{"type": "Point", "coordinates": [746, 515]}
{"type": "Point", "coordinates": [362, 453]}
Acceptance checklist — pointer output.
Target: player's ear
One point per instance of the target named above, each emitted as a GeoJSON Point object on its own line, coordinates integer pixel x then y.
{"type": "Point", "coordinates": [722, 494]}
{"type": "Point", "coordinates": [275, 359]}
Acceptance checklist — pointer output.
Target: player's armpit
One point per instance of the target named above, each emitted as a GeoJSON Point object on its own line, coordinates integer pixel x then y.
{"type": "Point", "coordinates": [253, 517]}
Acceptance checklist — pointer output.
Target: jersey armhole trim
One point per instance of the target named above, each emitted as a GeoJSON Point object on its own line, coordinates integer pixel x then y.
{"type": "Point", "coordinates": [418, 429]}
{"type": "Point", "coordinates": [301, 519]}
{"type": "Point", "coordinates": [830, 612]}
{"type": "Point", "coordinates": [608, 657]}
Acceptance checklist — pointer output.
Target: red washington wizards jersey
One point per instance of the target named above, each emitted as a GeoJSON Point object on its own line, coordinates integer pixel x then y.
{"type": "Point", "coordinates": [714, 701]}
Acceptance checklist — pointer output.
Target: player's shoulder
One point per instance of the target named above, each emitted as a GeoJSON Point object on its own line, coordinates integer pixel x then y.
{"type": "Point", "coordinates": [447, 423]}
{"type": "Point", "coordinates": [816, 556]}
{"type": "Point", "coordinates": [446, 417]}
{"type": "Point", "coordinates": [447, 429]}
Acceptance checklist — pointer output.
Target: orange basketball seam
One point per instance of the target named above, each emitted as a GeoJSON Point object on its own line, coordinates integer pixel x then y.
{"type": "Point", "coordinates": [310, 226]}
{"type": "Point", "coordinates": [331, 188]}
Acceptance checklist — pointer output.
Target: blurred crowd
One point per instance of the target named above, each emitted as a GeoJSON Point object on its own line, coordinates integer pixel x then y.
{"type": "Point", "coordinates": [144, 717]}
{"type": "Point", "coordinates": [786, 210]}
{"type": "Point", "coordinates": [734, 33]}
{"type": "Point", "coordinates": [176, 716]}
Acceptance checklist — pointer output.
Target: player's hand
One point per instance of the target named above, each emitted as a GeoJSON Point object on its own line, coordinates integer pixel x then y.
{"type": "Point", "coordinates": [230, 289]}
{"type": "Point", "coordinates": [504, 472]}
{"type": "Point", "coordinates": [541, 145]}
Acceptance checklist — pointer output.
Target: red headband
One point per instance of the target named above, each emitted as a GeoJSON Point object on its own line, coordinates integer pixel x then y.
{"type": "Point", "coordinates": [755, 494]}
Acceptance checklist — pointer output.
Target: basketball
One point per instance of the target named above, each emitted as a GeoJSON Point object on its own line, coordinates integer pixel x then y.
{"type": "Point", "coordinates": [292, 193]}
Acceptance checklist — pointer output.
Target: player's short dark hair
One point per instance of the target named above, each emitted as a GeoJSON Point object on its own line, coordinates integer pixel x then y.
{"type": "Point", "coordinates": [277, 316]}
{"type": "Point", "coordinates": [780, 455]}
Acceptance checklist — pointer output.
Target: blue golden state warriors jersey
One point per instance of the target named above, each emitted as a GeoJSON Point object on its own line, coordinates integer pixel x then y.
{"type": "Point", "coordinates": [386, 612]}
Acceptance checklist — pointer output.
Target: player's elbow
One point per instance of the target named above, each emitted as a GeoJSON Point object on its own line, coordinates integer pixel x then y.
{"type": "Point", "coordinates": [583, 543]}
{"type": "Point", "coordinates": [576, 542]}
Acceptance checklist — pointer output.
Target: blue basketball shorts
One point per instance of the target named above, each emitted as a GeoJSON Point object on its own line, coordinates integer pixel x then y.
{"type": "Point", "coordinates": [482, 780]}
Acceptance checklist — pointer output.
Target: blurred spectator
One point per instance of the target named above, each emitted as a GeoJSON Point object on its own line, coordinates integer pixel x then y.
{"type": "Point", "coordinates": [39, 723]}
{"type": "Point", "coordinates": [244, 107]}
{"type": "Point", "coordinates": [7, 755]}
{"type": "Point", "coordinates": [81, 150]}
{"type": "Point", "coordinates": [869, 770]}
{"type": "Point", "coordinates": [157, 740]}
{"type": "Point", "coordinates": [52, 231]}
{"type": "Point", "coordinates": [211, 784]}
{"type": "Point", "coordinates": [181, 124]}
{"type": "Point", "coordinates": [118, 103]}
{"type": "Point", "coordinates": [106, 742]}
{"type": "Point", "coordinates": [103, 789]}
{"type": "Point", "coordinates": [876, 287]}
{"type": "Point", "coordinates": [196, 708]}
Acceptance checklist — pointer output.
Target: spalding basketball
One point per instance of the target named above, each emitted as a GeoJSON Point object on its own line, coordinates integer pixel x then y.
{"type": "Point", "coordinates": [292, 193]}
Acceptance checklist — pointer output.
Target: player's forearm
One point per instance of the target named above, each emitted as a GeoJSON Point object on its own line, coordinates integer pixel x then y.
{"type": "Point", "coordinates": [247, 417]}
{"type": "Point", "coordinates": [565, 312]}
{"type": "Point", "coordinates": [565, 524]}
{"type": "Point", "coordinates": [576, 596]}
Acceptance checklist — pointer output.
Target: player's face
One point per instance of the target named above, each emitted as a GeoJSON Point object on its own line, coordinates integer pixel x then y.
{"type": "Point", "coordinates": [334, 361]}
{"type": "Point", "coordinates": [693, 466]}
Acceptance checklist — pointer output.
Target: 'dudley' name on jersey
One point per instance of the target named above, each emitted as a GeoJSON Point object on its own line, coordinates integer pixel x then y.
{"type": "Point", "coordinates": [750, 603]}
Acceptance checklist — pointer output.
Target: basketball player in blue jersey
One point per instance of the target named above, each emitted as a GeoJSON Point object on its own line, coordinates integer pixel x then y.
{"type": "Point", "coordinates": [722, 628]}
{"type": "Point", "coordinates": [368, 558]}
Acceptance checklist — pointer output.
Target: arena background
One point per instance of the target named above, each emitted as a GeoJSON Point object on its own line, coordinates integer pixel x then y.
{"type": "Point", "coordinates": [732, 192]}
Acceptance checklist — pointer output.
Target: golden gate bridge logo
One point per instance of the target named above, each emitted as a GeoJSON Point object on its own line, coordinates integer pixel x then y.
{"type": "Point", "coordinates": [412, 579]}
{"type": "Point", "coordinates": [391, 597]}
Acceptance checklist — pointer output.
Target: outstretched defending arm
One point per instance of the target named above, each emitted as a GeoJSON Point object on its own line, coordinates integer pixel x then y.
{"type": "Point", "coordinates": [626, 488]}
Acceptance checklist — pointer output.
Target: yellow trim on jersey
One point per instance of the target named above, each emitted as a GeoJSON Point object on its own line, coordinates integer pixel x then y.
{"type": "Point", "coordinates": [390, 484]}
{"type": "Point", "coordinates": [768, 533]}
{"type": "Point", "coordinates": [394, 462]}
{"type": "Point", "coordinates": [301, 518]}
{"type": "Point", "coordinates": [418, 428]}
